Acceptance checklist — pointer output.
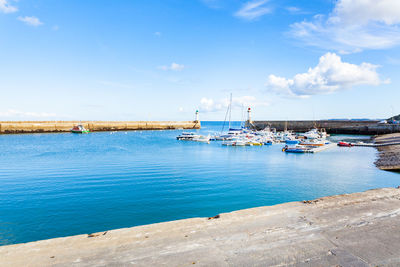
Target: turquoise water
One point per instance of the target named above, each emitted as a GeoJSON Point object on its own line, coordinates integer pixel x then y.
{"type": "Point", "coordinates": [54, 185]}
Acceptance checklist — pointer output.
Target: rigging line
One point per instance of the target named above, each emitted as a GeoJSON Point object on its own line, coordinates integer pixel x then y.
{"type": "Point", "coordinates": [226, 115]}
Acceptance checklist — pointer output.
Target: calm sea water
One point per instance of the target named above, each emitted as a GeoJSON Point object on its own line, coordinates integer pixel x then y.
{"type": "Point", "coordinates": [54, 185]}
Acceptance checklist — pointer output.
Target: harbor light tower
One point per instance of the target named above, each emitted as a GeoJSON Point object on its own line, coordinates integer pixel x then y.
{"type": "Point", "coordinates": [249, 115]}
{"type": "Point", "coordinates": [197, 116]}
{"type": "Point", "coordinates": [249, 122]}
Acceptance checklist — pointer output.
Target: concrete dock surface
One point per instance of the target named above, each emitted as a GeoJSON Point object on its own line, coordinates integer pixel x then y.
{"type": "Point", "coordinates": [360, 229]}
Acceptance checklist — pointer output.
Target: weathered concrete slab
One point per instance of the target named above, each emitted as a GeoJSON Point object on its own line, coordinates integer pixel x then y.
{"type": "Point", "coordinates": [360, 229]}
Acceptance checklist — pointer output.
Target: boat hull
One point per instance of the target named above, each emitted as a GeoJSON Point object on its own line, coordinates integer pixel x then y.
{"type": "Point", "coordinates": [79, 132]}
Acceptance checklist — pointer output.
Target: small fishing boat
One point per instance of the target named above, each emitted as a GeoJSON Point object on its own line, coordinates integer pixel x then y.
{"type": "Point", "coordinates": [292, 142]}
{"type": "Point", "coordinates": [345, 144]}
{"type": "Point", "coordinates": [79, 129]}
{"type": "Point", "coordinates": [187, 136]}
{"type": "Point", "coordinates": [268, 143]}
{"type": "Point", "coordinates": [295, 149]}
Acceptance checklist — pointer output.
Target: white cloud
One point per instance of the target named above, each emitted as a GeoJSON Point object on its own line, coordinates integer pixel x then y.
{"type": "Point", "coordinates": [174, 66]}
{"type": "Point", "coordinates": [209, 105]}
{"type": "Point", "coordinates": [158, 34]}
{"type": "Point", "coordinates": [330, 75]}
{"type": "Point", "coordinates": [253, 9]}
{"type": "Point", "coordinates": [23, 114]}
{"type": "Point", "coordinates": [5, 7]}
{"type": "Point", "coordinates": [295, 10]}
{"type": "Point", "coordinates": [32, 21]}
{"type": "Point", "coordinates": [393, 60]}
{"type": "Point", "coordinates": [353, 25]}
{"type": "Point", "coordinates": [212, 3]}
{"type": "Point", "coordinates": [116, 84]}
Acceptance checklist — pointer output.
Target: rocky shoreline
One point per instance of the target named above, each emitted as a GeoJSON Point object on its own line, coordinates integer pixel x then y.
{"type": "Point", "coordinates": [389, 152]}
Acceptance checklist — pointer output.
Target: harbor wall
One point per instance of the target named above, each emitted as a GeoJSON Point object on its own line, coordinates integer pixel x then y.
{"type": "Point", "coordinates": [370, 127]}
{"type": "Point", "coordinates": [10, 127]}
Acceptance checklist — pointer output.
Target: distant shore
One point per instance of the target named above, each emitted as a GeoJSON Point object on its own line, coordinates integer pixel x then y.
{"type": "Point", "coordinates": [364, 127]}
{"type": "Point", "coordinates": [14, 127]}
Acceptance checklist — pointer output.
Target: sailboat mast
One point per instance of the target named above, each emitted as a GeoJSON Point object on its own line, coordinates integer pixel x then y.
{"type": "Point", "coordinates": [230, 111]}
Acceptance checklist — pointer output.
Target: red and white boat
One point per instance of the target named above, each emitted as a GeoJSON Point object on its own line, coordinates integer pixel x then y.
{"type": "Point", "coordinates": [345, 144]}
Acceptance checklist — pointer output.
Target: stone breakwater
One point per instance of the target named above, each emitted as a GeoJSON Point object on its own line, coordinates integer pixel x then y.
{"type": "Point", "coordinates": [359, 229]}
{"type": "Point", "coordinates": [9, 127]}
{"type": "Point", "coordinates": [389, 152]}
{"type": "Point", "coordinates": [369, 127]}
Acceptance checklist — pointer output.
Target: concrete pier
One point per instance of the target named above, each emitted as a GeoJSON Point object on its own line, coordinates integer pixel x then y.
{"type": "Point", "coordinates": [360, 229]}
{"type": "Point", "coordinates": [366, 127]}
{"type": "Point", "coordinates": [9, 127]}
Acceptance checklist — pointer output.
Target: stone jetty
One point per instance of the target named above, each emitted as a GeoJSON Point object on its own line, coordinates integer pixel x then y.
{"type": "Point", "coordinates": [360, 229]}
{"type": "Point", "coordinates": [9, 127]}
{"type": "Point", "coordinates": [389, 152]}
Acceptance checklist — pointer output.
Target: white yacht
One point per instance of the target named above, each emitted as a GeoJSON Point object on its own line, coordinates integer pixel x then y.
{"type": "Point", "coordinates": [202, 138]}
{"type": "Point", "coordinates": [187, 136]}
{"type": "Point", "coordinates": [235, 142]}
{"type": "Point", "coordinates": [312, 134]}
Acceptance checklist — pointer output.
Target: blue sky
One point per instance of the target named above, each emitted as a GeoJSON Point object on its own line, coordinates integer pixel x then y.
{"type": "Point", "coordinates": [163, 59]}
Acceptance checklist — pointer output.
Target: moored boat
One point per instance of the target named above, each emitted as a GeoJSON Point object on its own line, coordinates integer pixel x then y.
{"type": "Point", "coordinates": [202, 138]}
{"type": "Point", "coordinates": [295, 149]}
{"type": "Point", "coordinates": [234, 142]}
{"type": "Point", "coordinates": [253, 143]}
{"type": "Point", "coordinates": [313, 142]}
{"type": "Point", "coordinates": [79, 129]}
{"type": "Point", "coordinates": [312, 134]}
{"type": "Point", "coordinates": [292, 142]}
{"type": "Point", "coordinates": [187, 136]}
{"type": "Point", "coordinates": [345, 144]}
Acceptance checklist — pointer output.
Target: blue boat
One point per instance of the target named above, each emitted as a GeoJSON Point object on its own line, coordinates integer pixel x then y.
{"type": "Point", "coordinates": [296, 149]}
{"type": "Point", "coordinates": [292, 142]}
